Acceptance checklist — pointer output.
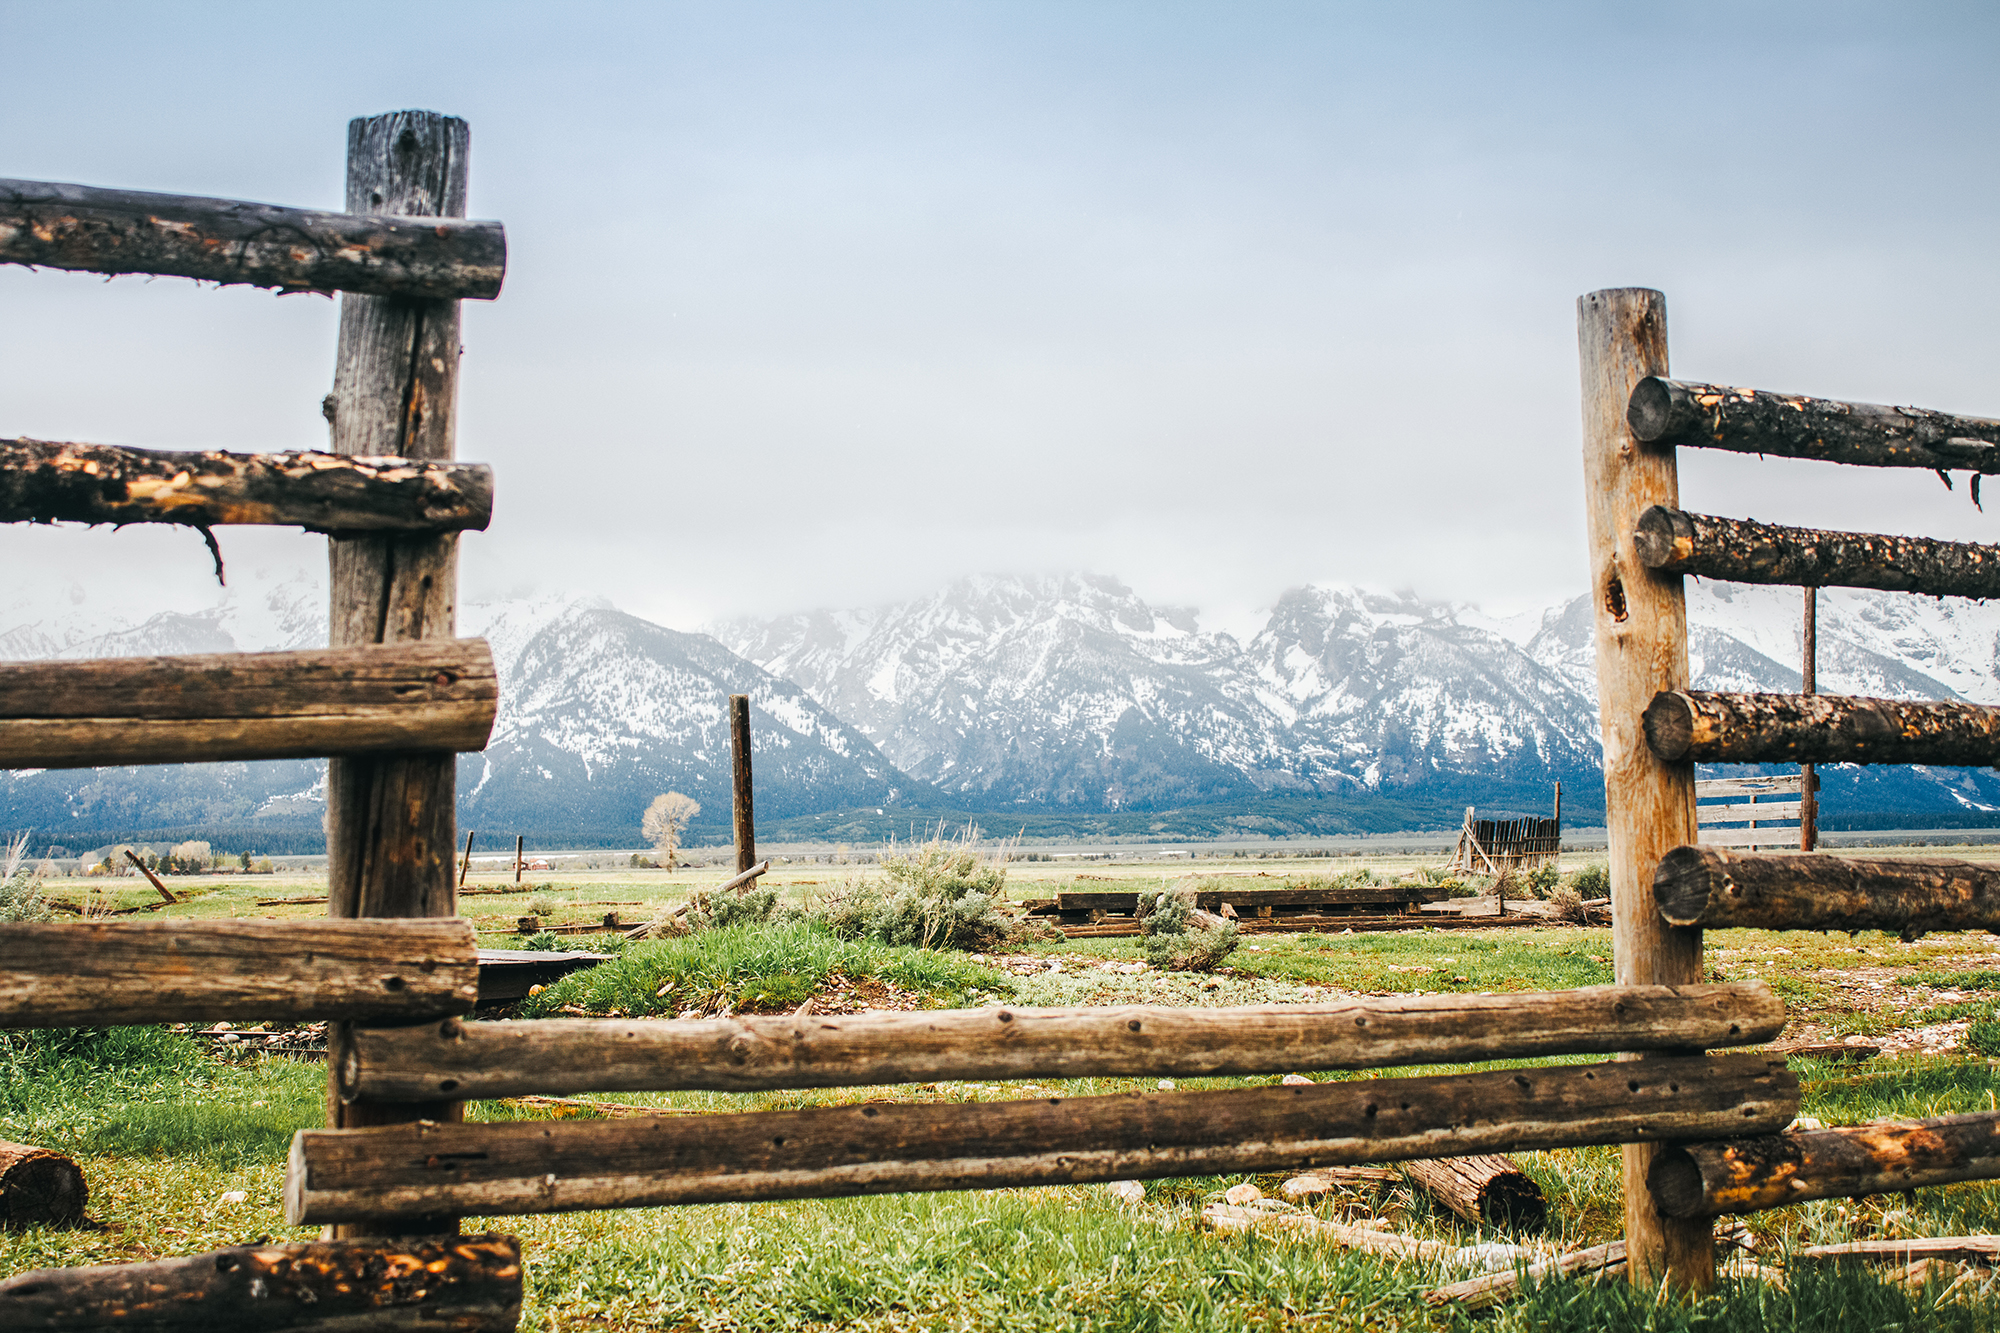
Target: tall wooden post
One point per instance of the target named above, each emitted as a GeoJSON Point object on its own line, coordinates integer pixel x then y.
{"type": "Point", "coordinates": [465, 866]}
{"type": "Point", "coordinates": [1641, 623]}
{"type": "Point", "coordinates": [520, 845]}
{"type": "Point", "coordinates": [1808, 779]}
{"type": "Point", "coordinates": [741, 807]}
{"type": "Point", "coordinates": [390, 826]}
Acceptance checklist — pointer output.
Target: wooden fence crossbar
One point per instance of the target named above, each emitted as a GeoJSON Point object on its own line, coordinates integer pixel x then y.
{"type": "Point", "coordinates": [105, 973]}
{"type": "Point", "coordinates": [1714, 887]}
{"type": "Point", "coordinates": [1681, 413]}
{"type": "Point", "coordinates": [48, 481]}
{"type": "Point", "coordinates": [1714, 727]}
{"type": "Point", "coordinates": [485, 1060]}
{"type": "Point", "coordinates": [1672, 541]}
{"type": "Point", "coordinates": [830, 1151]}
{"type": "Point", "coordinates": [437, 696]}
{"type": "Point", "coordinates": [85, 228]}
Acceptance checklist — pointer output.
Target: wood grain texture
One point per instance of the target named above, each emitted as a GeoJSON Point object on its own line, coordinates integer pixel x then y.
{"type": "Point", "coordinates": [1714, 727]}
{"type": "Point", "coordinates": [1787, 425]}
{"type": "Point", "coordinates": [85, 228]}
{"type": "Point", "coordinates": [237, 706]}
{"type": "Point", "coordinates": [105, 973]}
{"type": "Point", "coordinates": [1641, 632]}
{"type": "Point", "coordinates": [1740, 550]}
{"type": "Point", "coordinates": [440, 1286]}
{"type": "Point", "coordinates": [832, 1151]}
{"type": "Point", "coordinates": [391, 820]}
{"type": "Point", "coordinates": [742, 1054]}
{"type": "Point", "coordinates": [1748, 1175]}
{"type": "Point", "coordinates": [40, 1187]}
{"type": "Point", "coordinates": [1711, 886]}
{"type": "Point", "coordinates": [47, 481]}
{"type": "Point", "coordinates": [1208, 898]}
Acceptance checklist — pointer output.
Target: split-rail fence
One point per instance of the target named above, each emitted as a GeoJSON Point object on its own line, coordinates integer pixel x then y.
{"type": "Point", "coordinates": [394, 969]}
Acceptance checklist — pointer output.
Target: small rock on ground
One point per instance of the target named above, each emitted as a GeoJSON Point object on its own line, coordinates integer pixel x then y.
{"type": "Point", "coordinates": [1126, 1191]}
{"type": "Point", "coordinates": [1240, 1195]}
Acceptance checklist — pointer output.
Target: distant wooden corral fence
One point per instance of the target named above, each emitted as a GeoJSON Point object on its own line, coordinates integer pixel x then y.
{"type": "Point", "coordinates": [394, 971]}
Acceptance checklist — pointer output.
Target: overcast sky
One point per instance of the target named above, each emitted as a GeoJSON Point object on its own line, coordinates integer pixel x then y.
{"type": "Point", "coordinates": [826, 304]}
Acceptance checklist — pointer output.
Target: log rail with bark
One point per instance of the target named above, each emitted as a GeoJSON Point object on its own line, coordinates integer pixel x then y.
{"type": "Point", "coordinates": [453, 1284]}
{"type": "Point", "coordinates": [1753, 421]}
{"type": "Point", "coordinates": [104, 973]}
{"type": "Point", "coordinates": [85, 228]}
{"type": "Point", "coordinates": [833, 1151]}
{"type": "Point", "coordinates": [436, 696]}
{"type": "Point", "coordinates": [1715, 887]}
{"type": "Point", "coordinates": [40, 1187]}
{"type": "Point", "coordinates": [50, 481]}
{"type": "Point", "coordinates": [1713, 727]}
{"type": "Point", "coordinates": [483, 1060]}
{"type": "Point", "coordinates": [1748, 1175]}
{"type": "Point", "coordinates": [1673, 541]}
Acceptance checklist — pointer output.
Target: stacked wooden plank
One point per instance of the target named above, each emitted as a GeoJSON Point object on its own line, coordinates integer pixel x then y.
{"type": "Point", "coordinates": [1093, 913]}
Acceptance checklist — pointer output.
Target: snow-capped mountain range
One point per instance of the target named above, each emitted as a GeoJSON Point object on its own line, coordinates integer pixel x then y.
{"type": "Point", "coordinates": [1063, 692]}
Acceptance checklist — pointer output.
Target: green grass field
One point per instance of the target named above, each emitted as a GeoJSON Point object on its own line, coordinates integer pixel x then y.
{"type": "Point", "coordinates": [165, 1131]}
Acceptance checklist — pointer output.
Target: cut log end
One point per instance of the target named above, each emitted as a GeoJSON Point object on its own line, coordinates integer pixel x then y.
{"type": "Point", "coordinates": [1669, 723]}
{"type": "Point", "coordinates": [1685, 880]}
{"type": "Point", "coordinates": [40, 1187]}
{"type": "Point", "coordinates": [1674, 1180]}
{"type": "Point", "coordinates": [1491, 1189]}
{"type": "Point", "coordinates": [1663, 538]}
{"type": "Point", "coordinates": [1650, 413]}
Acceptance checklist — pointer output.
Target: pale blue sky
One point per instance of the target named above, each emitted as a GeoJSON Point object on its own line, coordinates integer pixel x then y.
{"type": "Point", "coordinates": [1219, 298]}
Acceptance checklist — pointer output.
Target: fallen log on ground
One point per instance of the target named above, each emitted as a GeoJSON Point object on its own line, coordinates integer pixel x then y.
{"type": "Point", "coordinates": [432, 1168]}
{"type": "Point", "coordinates": [103, 973]}
{"type": "Point", "coordinates": [749, 1053]}
{"type": "Point", "coordinates": [1488, 1189]}
{"type": "Point", "coordinates": [1972, 1249]}
{"type": "Point", "coordinates": [51, 481]}
{"type": "Point", "coordinates": [440, 695]}
{"type": "Point", "coordinates": [1230, 1218]}
{"type": "Point", "coordinates": [40, 1187]}
{"type": "Point", "coordinates": [1747, 1175]}
{"type": "Point", "coordinates": [1490, 1289]}
{"type": "Point", "coordinates": [1715, 727]}
{"type": "Point", "coordinates": [49, 224]}
{"type": "Point", "coordinates": [1744, 551]}
{"type": "Point", "coordinates": [738, 882]}
{"type": "Point", "coordinates": [440, 1283]}
{"type": "Point", "coordinates": [1716, 887]}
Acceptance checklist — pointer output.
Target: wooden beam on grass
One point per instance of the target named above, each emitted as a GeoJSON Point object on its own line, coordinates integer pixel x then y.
{"type": "Point", "coordinates": [438, 696]}
{"type": "Point", "coordinates": [1748, 1175]}
{"type": "Point", "coordinates": [106, 973]}
{"type": "Point", "coordinates": [1715, 727]}
{"type": "Point", "coordinates": [1640, 623]}
{"type": "Point", "coordinates": [1714, 887]}
{"type": "Point", "coordinates": [1745, 551]}
{"type": "Point", "coordinates": [40, 1187]}
{"type": "Point", "coordinates": [50, 481]}
{"type": "Point", "coordinates": [85, 228]}
{"type": "Point", "coordinates": [873, 1148]}
{"type": "Point", "coordinates": [750, 1053]}
{"type": "Point", "coordinates": [451, 1284]}
{"type": "Point", "coordinates": [1754, 421]}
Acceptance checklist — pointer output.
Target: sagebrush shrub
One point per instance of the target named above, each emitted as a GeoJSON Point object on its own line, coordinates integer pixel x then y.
{"type": "Point", "coordinates": [1177, 940]}
{"type": "Point", "coordinates": [1593, 881]}
{"type": "Point", "coordinates": [941, 894]}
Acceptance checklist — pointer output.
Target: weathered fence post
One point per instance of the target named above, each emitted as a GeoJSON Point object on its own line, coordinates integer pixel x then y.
{"type": "Point", "coordinates": [390, 821]}
{"type": "Point", "coordinates": [520, 857]}
{"type": "Point", "coordinates": [1641, 624]}
{"type": "Point", "coordinates": [741, 807]}
{"type": "Point", "coordinates": [465, 866]}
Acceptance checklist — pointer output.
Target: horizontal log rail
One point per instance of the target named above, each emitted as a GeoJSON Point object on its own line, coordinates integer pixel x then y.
{"type": "Point", "coordinates": [46, 224]}
{"type": "Point", "coordinates": [442, 1283]}
{"type": "Point", "coordinates": [437, 695]}
{"type": "Point", "coordinates": [833, 1151]}
{"type": "Point", "coordinates": [48, 481]}
{"type": "Point", "coordinates": [1744, 551]}
{"type": "Point", "coordinates": [107, 973]}
{"type": "Point", "coordinates": [1709, 727]}
{"type": "Point", "coordinates": [1749, 1175]}
{"type": "Point", "coordinates": [743, 1054]}
{"type": "Point", "coordinates": [1754, 421]}
{"type": "Point", "coordinates": [1713, 887]}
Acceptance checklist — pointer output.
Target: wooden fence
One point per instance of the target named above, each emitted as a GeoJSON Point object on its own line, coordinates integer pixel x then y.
{"type": "Point", "coordinates": [395, 974]}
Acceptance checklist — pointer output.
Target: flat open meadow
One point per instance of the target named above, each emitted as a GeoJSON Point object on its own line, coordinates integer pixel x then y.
{"type": "Point", "coordinates": [183, 1136]}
